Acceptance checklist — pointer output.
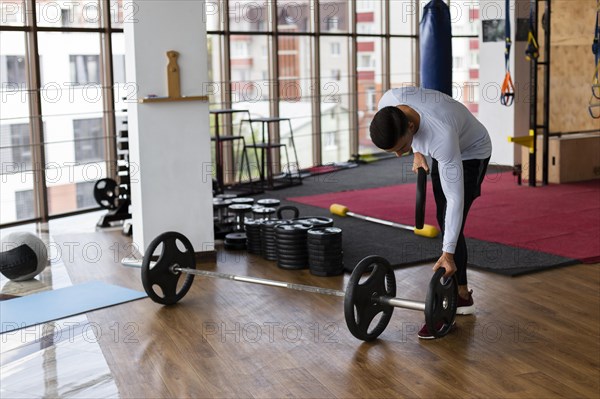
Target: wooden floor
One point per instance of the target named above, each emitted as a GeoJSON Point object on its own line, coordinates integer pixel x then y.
{"type": "Point", "coordinates": [535, 336]}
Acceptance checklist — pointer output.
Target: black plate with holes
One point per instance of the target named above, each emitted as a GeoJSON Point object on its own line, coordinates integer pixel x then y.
{"type": "Point", "coordinates": [160, 272]}
{"type": "Point", "coordinates": [360, 304]}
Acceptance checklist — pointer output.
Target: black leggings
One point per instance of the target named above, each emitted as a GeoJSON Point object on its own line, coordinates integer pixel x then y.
{"type": "Point", "coordinates": [473, 175]}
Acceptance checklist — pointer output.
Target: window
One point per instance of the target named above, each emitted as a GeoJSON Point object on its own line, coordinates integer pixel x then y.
{"type": "Point", "coordinates": [13, 70]}
{"type": "Point", "coordinates": [336, 49]}
{"type": "Point", "coordinates": [336, 74]}
{"type": "Point", "coordinates": [89, 144]}
{"type": "Point", "coordinates": [364, 5]}
{"type": "Point", "coordinates": [119, 68]}
{"type": "Point", "coordinates": [239, 49]}
{"type": "Point", "coordinates": [25, 204]}
{"type": "Point", "coordinates": [366, 61]}
{"type": "Point", "coordinates": [84, 69]}
{"type": "Point", "coordinates": [365, 28]}
{"type": "Point", "coordinates": [371, 99]}
{"type": "Point", "coordinates": [85, 195]}
{"type": "Point", "coordinates": [333, 23]}
{"type": "Point", "coordinates": [20, 143]}
{"type": "Point", "coordinates": [474, 58]}
{"type": "Point", "coordinates": [458, 62]}
{"type": "Point", "coordinates": [329, 140]}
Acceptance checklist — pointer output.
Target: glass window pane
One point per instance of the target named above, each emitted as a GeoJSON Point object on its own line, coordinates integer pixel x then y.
{"type": "Point", "coordinates": [465, 72]}
{"type": "Point", "coordinates": [118, 15]}
{"type": "Point", "coordinates": [402, 67]}
{"type": "Point", "coordinates": [12, 13]}
{"type": "Point", "coordinates": [294, 16]}
{"type": "Point", "coordinates": [215, 70]}
{"type": "Point", "coordinates": [16, 176]}
{"type": "Point", "coordinates": [335, 99]}
{"type": "Point", "coordinates": [249, 88]}
{"type": "Point", "coordinates": [85, 195]}
{"type": "Point", "coordinates": [369, 16]}
{"type": "Point", "coordinates": [370, 87]}
{"type": "Point", "coordinates": [248, 16]}
{"type": "Point", "coordinates": [72, 112]}
{"type": "Point", "coordinates": [213, 15]}
{"type": "Point", "coordinates": [464, 15]}
{"type": "Point", "coordinates": [335, 16]}
{"type": "Point", "coordinates": [403, 17]}
{"type": "Point", "coordinates": [68, 14]}
{"type": "Point", "coordinates": [295, 92]}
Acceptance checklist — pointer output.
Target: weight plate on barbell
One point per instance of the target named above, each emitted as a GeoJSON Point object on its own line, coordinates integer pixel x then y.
{"type": "Point", "coordinates": [269, 202]}
{"type": "Point", "coordinates": [360, 303]}
{"type": "Point", "coordinates": [105, 193]}
{"type": "Point", "coordinates": [441, 303]}
{"type": "Point", "coordinates": [161, 274]}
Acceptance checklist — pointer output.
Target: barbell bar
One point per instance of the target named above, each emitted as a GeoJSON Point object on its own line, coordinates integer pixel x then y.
{"type": "Point", "coordinates": [364, 298]}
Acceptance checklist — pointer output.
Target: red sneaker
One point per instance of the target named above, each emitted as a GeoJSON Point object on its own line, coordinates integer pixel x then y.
{"type": "Point", "coordinates": [465, 306]}
{"type": "Point", "coordinates": [425, 334]}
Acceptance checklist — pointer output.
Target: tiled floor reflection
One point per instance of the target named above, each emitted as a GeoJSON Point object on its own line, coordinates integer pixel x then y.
{"type": "Point", "coordinates": [60, 359]}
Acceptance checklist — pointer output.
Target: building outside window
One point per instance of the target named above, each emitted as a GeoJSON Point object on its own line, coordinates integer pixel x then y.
{"type": "Point", "coordinates": [25, 204]}
{"type": "Point", "coordinates": [85, 69]}
{"type": "Point", "coordinates": [89, 144]}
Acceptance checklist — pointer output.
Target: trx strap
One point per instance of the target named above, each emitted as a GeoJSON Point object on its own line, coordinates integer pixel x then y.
{"type": "Point", "coordinates": [594, 106]}
{"type": "Point", "coordinates": [533, 50]}
{"type": "Point", "coordinates": [507, 96]}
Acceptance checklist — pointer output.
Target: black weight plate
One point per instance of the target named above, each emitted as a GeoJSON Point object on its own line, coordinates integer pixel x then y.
{"type": "Point", "coordinates": [292, 255]}
{"type": "Point", "coordinates": [239, 208]}
{"type": "Point", "coordinates": [331, 273]}
{"type": "Point", "coordinates": [292, 250]}
{"type": "Point", "coordinates": [324, 244]}
{"type": "Point", "coordinates": [441, 303]}
{"type": "Point", "coordinates": [291, 243]}
{"type": "Point", "coordinates": [269, 202]}
{"type": "Point", "coordinates": [325, 257]}
{"type": "Point", "coordinates": [421, 198]}
{"type": "Point", "coordinates": [297, 246]}
{"type": "Point", "coordinates": [245, 201]}
{"type": "Point", "coordinates": [292, 229]}
{"type": "Point", "coordinates": [234, 246]}
{"type": "Point", "coordinates": [316, 221]}
{"type": "Point", "coordinates": [105, 193]}
{"type": "Point", "coordinates": [235, 238]}
{"type": "Point", "coordinates": [325, 266]}
{"type": "Point", "coordinates": [291, 265]}
{"type": "Point", "coordinates": [160, 273]}
{"type": "Point", "coordinates": [325, 231]}
{"type": "Point", "coordinates": [360, 306]}
{"type": "Point", "coordinates": [324, 249]}
{"type": "Point", "coordinates": [326, 261]}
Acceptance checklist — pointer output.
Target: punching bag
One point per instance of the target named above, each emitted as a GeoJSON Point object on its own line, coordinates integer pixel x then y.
{"type": "Point", "coordinates": [436, 47]}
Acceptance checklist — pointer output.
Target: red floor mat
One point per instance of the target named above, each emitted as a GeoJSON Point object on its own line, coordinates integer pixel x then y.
{"type": "Point", "coordinates": [561, 219]}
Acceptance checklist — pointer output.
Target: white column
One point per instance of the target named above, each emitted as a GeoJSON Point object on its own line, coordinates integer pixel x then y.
{"type": "Point", "coordinates": [502, 121]}
{"type": "Point", "coordinates": [169, 141]}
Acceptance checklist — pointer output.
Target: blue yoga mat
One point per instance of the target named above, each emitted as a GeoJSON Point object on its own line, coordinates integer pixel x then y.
{"type": "Point", "coordinates": [52, 305]}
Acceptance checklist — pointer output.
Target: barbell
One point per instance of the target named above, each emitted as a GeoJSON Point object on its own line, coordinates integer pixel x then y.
{"type": "Point", "coordinates": [371, 289]}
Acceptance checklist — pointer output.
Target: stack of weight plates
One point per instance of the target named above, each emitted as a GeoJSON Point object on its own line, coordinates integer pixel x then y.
{"type": "Point", "coordinates": [268, 244]}
{"type": "Point", "coordinates": [235, 241]}
{"type": "Point", "coordinates": [253, 243]}
{"type": "Point", "coordinates": [325, 255]}
{"type": "Point", "coordinates": [315, 221]}
{"type": "Point", "coordinates": [291, 245]}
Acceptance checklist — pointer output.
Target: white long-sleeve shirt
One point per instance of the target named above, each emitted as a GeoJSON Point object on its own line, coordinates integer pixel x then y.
{"type": "Point", "coordinates": [450, 134]}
